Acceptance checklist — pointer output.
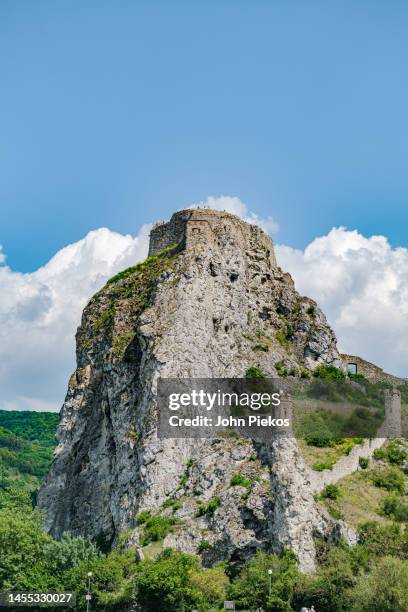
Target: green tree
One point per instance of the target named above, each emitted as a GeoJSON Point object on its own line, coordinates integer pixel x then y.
{"type": "Point", "coordinates": [22, 545]}
{"type": "Point", "coordinates": [250, 589]}
{"type": "Point", "coordinates": [165, 584]}
{"type": "Point", "coordinates": [61, 556]}
{"type": "Point", "coordinates": [385, 588]}
{"type": "Point", "coordinates": [212, 584]}
{"type": "Point", "coordinates": [111, 580]}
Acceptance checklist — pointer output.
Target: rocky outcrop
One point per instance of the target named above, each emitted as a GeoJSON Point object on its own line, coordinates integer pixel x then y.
{"type": "Point", "coordinates": [212, 305]}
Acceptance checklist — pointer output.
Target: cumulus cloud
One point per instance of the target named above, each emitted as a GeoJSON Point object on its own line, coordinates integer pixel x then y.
{"type": "Point", "coordinates": [39, 313]}
{"type": "Point", "coordinates": [235, 206]}
{"type": "Point", "coordinates": [362, 286]}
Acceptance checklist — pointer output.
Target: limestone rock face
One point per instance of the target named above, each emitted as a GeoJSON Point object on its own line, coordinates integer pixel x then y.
{"type": "Point", "coordinates": [212, 305]}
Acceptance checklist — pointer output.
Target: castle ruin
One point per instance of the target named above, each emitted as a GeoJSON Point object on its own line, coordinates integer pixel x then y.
{"type": "Point", "coordinates": [370, 371]}
{"type": "Point", "coordinates": [206, 226]}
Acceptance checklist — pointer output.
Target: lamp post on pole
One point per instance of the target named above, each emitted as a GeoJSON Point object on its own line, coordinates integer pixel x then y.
{"type": "Point", "coordinates": [270, 581]}
{"type": "Point", "coordinates": [88, 595]}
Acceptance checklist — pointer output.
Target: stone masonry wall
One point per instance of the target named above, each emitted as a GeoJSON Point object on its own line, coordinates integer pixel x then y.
{"type": "Point", "coordinates": [372, 372]}
{"type": "Point", "coordinates": [391, 428]}
{"type": "Point", "coordinates": [201, 225]}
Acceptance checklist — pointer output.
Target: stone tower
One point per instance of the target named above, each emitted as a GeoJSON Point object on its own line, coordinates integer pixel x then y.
{"type": "Point", "coordinates": [392, 399]}
{"type": "Point", "coordinates": [208, 227]}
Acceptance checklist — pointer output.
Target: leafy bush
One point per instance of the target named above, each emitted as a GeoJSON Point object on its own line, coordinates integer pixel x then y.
{"type": "Point", "coordinates": [280, 369]}
{"type": "Point", "coordinates": [385, 588]}
{"type": "Point", "coordinates": [379, 540]}
{"type": "Point", "coordinates": [22, 545]}
{"type": "Point", "coordinates": [255, 372]}
{"type": "Point", "coordinates": [329, 587]}
{"type": "Point", "coordinates": [238, 480]}
{"type": "Point", "coordinates": [283, 336]}
{"type": "Point", "coordinates": [311, 311]}
{"type": "Point", "coordinates": [396, 509]}
{"type": "Point", "coordinates": [155, 528]}
{"type": "Point", "coordinates": [331, 491]}
{"type": "Point", "coordinates": [143, 517]}
{"type": "Point", "coordinates": [363, 462]}
{"type": "Point", "coordinates": [356, 377]}
{"type": "Point", "coordinates": [395, 453]}
{"type": "Point", "coordinates": [203, 545]}
{"type": "Point", "coordinates": [390, 479]}
{"type": "Point", "coordinates": [328, 372]}
{"type": "Point", "coordinates": [63, 555]}
{"type": "Point", "coordinates": [260, 347]}
{"type": "Point", "coordinates": [379, 454]}
{"type": "Point", "coordinates": [211, 584]}
{"type": "Point", "coordinates": [112, 587]}
{"type": "Point", "coordinates": [210, 508]}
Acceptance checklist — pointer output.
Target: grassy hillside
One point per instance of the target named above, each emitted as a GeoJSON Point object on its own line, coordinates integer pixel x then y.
{"type": "Point", "coordinates": [27, 440]}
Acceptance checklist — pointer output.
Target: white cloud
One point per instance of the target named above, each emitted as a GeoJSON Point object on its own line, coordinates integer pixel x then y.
{"type": "Point", "coordinates": [39, 313]}
{"type": "Point", "coordinates": [362, 286]}
{"type": "Point", "coordinates": [235, 206]}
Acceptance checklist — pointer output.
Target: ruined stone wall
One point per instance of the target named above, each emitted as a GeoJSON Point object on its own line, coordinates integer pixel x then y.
{"type": "Point", "coordinates": [166, 234]}
{"type": "Point", "coordinates": [372, 372]}
{"type": "Point", "coordinates": [345, 465]}
{"type": "Point", "coordinates": [200, 225]}
{"type": "Point", "coordinates": [391, 428]}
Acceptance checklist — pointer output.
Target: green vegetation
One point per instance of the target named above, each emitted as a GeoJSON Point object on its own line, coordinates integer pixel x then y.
{"type": "Point", "coordinates": [210, 508]}
{"type": "Point", "coordinates": [238, 480]}
{"type": "Point", "coordinates": [155, 528]}
{"type": "Point", "coordinates": [395, 509]}
{"type": "Point", "coordinates": [26, 445]}
{"type": "Point", "coordinates": [203, 546]}
{"type": "Point", "coordinates": [137, 284]}
{"type": "Point", "coordinates": [260, 347]}
{"type": "Point", "coordinates": [280, 368]}
{"type": "Point", "coordinates": [255, 372]}
{"type": "Point", "coordinates": [322, 438]}
{"type": "Point", "coordinates": [311, 311]}
{"type": "Point", "coordinates": [391, 479]}
{"type": "Point", "coordinates": [37, 427]}
{"type": "Point", "coordinates": [250, 588]}
{"type": "Point", "coordinates": [363, 462]}
{"type": "Point", "coordinates": [173, 503]}
{"type": "Point", "coordinates": [371, 575]}
{"type": "Point", "coordinates": [323, 427]}
{"type": "Point", "coordinates": [284, 336]}
{"type": "Point", "coordinates": [393, 452]}
{"type": "Point", "coordinates": [328, 372]}
{"type": "Point", "coordinates": [331, 491]}
{"type": "Point", "coordinates": [319, 466]}
{"type": "Point", "coordinates": [148, 264]}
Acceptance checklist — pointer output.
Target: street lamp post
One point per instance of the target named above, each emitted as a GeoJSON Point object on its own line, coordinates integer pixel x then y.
{"type": "Point", "coordinates": [88, 595]}
{"type": "Point", "coordinates": [270, 581]}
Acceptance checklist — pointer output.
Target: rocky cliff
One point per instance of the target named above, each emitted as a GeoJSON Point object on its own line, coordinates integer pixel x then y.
{"type": "Point", "coordinates": [211, 303]}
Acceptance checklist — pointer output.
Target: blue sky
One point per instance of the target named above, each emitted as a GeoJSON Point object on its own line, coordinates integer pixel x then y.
{"type": "Point", "coordinates": [116, 113]}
